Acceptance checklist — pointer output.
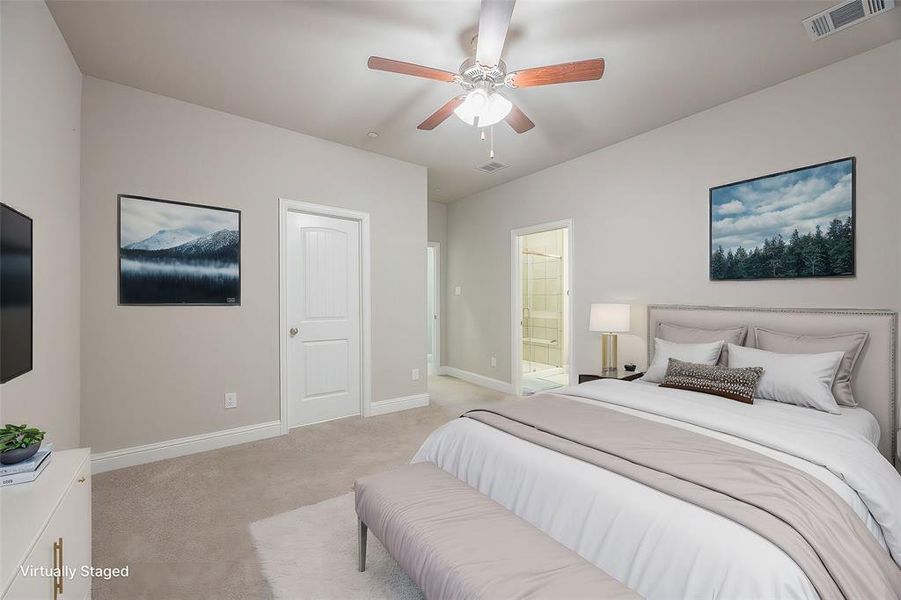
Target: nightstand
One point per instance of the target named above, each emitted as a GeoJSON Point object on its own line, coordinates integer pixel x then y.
{"type": "Point", "coordinates": [618, 374]}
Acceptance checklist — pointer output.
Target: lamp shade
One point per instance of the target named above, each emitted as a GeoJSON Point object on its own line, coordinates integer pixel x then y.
{"type": "Point", "coordinates": [612, 318]}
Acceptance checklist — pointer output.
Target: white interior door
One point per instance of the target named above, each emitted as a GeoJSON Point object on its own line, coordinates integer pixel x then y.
{"type": "Point", "coordinates": [323, 311]}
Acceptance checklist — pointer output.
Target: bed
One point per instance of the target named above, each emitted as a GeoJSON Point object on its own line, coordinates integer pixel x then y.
{"type": "Point", "coordinates": [662, 546]}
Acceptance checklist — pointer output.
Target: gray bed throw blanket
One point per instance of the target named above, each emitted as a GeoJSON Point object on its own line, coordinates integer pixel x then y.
{"type": "Point", "coordinates": [788, 507]}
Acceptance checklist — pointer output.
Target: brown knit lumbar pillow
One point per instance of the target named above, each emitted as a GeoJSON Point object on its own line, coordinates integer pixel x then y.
{"type": "Point", "coordinates": [735, 384]}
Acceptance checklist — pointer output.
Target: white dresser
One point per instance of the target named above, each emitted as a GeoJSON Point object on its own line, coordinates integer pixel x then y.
{"type": "Point", "coordinates": [47, 523]}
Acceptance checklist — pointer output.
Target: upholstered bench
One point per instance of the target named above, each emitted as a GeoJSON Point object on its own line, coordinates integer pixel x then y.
{"type": "Point", "coordinates": [455, 542]}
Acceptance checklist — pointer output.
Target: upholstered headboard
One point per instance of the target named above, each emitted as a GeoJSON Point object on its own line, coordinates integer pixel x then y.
{"type": "Point", "coordinates": [875, 371]}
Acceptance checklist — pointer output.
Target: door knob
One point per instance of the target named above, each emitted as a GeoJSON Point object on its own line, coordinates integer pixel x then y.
{"type": "Point", "coordinates": [292, 332]}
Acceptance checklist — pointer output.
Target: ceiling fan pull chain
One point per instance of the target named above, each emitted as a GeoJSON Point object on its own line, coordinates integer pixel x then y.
{"type": "Point", "coordinates": [491, 153]}
{"type": "Point", "coordinates": [483, 135]}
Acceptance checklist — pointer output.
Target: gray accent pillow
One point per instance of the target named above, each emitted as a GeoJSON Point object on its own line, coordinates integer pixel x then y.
{"type": "Point", "coordinates": [695, 335]}
{"type": "Point", "coordinates": [850, 343]}
{"type": "Point", "coordinates": [735, 384]}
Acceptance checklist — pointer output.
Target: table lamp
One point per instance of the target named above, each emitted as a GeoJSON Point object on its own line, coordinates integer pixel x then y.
{"type": "Point", "coordinates": [609, 319]}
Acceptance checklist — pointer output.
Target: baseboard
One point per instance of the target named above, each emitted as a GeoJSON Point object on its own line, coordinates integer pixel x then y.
{"type": "Point", "coordinates": [492, 384]}
{"type": "Point", "coordinates": [384, 407]}
{"type": "Point", "coordinates": [138, 455]}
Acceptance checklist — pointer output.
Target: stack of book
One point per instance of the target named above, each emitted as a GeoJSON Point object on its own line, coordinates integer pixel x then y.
{"type": "Point", "coordinates": [27, 470]}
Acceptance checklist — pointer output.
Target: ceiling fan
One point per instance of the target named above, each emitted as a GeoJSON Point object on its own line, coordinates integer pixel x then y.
{"type": "Point", "coordinates": [481, 104]}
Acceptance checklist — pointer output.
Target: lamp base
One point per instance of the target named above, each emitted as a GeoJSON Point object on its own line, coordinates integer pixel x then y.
{"type": "Point", "coordinates": [608, 353]}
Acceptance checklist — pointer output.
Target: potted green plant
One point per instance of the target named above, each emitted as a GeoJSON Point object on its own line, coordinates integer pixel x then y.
{"type": "Point", "coordinates": [18, 443]}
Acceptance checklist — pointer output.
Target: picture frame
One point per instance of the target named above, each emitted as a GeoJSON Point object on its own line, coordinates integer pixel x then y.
{"type": "Point", "coordinates": [795, 224]}
{"type": "Point", "coordinates": [173, 253]}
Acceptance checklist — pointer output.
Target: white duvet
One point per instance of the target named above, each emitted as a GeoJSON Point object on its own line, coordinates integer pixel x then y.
{"type": "Point", "coordinates": [658, 545]}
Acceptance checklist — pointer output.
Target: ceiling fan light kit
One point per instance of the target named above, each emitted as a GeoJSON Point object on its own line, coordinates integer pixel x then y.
{"type": "Point", "coordinates": [480, 76]}
{"type": "Point", "coordinates": [481, 108]}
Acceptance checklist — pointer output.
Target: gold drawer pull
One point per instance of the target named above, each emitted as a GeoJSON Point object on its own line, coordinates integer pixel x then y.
{"type": "Point", "coordinates": [58, 564]}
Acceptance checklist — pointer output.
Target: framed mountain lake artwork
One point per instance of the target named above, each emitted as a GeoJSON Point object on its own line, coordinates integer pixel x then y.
{"type": "Point", "coordinates": [795, 224]}
{"type": "Point", "coordinates": [178, 253]}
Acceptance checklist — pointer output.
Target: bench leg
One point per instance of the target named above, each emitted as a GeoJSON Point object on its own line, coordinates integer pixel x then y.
{"type": "Point", "coordinates": [362, 545]}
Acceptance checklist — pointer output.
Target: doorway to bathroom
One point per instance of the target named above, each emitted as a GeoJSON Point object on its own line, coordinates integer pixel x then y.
{"type": "Point", "coordinates": [542, 307]}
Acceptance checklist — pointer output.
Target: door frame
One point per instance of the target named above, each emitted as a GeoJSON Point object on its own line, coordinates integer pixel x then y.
{"type": "Point", "coordinates": [516, 299]}
{"type": "Point", "coordinates": [438, 293]}
{"type": "Point", "coordinates": [286, 206]}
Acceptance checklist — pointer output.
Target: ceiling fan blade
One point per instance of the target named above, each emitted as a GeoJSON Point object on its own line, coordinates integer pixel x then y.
{"type": "Point", "coordinates": [404, 68]}
{"type": "Point", "coordinates": [494, 19]}
{"type": "Point", "coordinates": [583, 70]}
{"type": "Point", "coordinates": [518, 120]}
{"type": "Point", "coordinates": [439, 116]}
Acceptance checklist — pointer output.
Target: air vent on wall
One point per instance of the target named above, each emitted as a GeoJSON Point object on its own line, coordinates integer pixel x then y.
{"type": "Point", "coordinates": [492, 166]}
{"type": "Point", "coordinates": [844, 15]}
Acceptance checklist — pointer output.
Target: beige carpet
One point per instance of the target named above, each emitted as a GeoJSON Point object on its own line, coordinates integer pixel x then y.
{"type": "Point", "coordinates": [183, 525]}
{"type": "Point", "coordinates": [311, 552]}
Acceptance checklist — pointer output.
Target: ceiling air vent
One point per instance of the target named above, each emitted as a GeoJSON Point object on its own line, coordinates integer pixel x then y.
{"type": "Point", "coordinates": [492, 166]}
{"type": "Point", "coordinates": [844, 15]}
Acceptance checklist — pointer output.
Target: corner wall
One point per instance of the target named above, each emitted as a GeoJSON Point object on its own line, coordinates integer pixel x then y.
{"type": "Point", "coordinates": [41, 107]}
{"type": "Point", "coordinates": [153, 374]}
{"type": "Point", "coordinates": [640, 211]}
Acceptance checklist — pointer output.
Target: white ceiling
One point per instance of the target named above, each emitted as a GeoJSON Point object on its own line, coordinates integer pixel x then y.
{"type": "Point", "coordinates": [302, 66]}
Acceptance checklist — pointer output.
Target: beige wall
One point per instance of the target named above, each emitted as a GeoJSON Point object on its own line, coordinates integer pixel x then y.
{"type": "Point", "coordinates": [437, 222]}
{"type": "Point", "coordinates": [158, 373]}
{"type": "Point", "coordinates": [640, 211]}
{"type": "Point", "coordinates": [41, 104]}
{"type": "Point", "coordinates": [438, 233]}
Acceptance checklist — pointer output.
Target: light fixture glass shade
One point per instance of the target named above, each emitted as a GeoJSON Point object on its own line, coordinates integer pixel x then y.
{"type": "Point", "coordinates": [487, 108]}
{"type": "Point", "coordinates": [611, 318]}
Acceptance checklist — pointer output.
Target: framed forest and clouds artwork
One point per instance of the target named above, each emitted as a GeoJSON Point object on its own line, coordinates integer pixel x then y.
{"type": "Point", "coordinates": [178, 253]}
{"type": "Point", "coordinates": [799, 223]}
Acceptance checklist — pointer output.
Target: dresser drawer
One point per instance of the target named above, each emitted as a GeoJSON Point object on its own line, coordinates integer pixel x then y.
{"type": "Point", "coordinates": [67, 535]}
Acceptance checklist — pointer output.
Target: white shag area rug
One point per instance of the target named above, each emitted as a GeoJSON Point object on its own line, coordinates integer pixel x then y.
{"type": "Point", "coordinates": [311, 552]}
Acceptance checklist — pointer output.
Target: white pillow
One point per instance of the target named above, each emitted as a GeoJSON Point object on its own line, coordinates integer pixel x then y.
{"type": "Point", "coordinates": [705, 354]}
{"type": "Point", "coordinates": [802, 379]}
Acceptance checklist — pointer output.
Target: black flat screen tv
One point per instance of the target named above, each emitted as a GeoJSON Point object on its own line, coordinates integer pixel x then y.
{"type": "Point", "coordinates": [16, 309]}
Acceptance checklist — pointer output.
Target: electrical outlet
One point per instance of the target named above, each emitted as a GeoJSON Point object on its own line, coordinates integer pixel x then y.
{"type": "Point", "coordinates": [493, 362]}
{"type": "Point", "coordinates": [231, 399]}
{"type": "Point", "coordinates": [415, 374]}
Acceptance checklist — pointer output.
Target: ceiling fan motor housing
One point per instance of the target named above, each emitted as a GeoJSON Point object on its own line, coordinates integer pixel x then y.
{"type": "Point", "coordinates": [473, 75]}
